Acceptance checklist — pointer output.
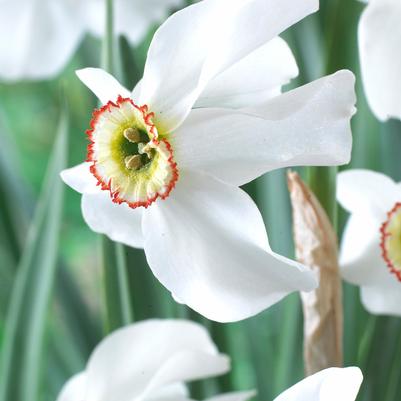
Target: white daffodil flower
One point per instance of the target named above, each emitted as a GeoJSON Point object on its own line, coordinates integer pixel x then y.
{"type": "Point", "coordinates": [153, 359]}
{"type": "Point", "coordinates": [331, 384]}
{"type": "Point", "coordinates": [371, 246]}
{"type": "Point", "coordinates": [379, 49]}
{"type": "Point", "coordinates": [165, 161]}
{"type": "Point", "coordinates": [44, 34]}
{"type": "Point", "coordinates": [150, 360]}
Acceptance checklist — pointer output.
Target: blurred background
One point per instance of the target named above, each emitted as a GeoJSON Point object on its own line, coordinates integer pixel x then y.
{"type": "Point", "coordinates": [36, 268]}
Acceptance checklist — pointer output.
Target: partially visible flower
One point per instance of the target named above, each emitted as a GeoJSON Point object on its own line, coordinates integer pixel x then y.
{"type": "Point", "coordinates": [149, 360]}
{"type": "Point", "coordinates": [40, 36]}
{"type": "Point", "coordinates": [152, 360]}
{"type": "Point", "coordinates": [333, 384]}
{"type": "Point", "coordinates": [165, 162]}
{"type": "Point", "coordinates": [379, 48]}
{"type": "Point", "coordinates": [371, 245]}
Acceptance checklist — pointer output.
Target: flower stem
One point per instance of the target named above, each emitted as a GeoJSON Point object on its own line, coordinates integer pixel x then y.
{"type": "Point", "coordinates": [322, 182]}
{"type": "Point", "coordinates": [107, 48]}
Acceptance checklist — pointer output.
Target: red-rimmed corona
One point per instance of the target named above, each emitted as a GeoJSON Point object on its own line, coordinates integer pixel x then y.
{"type": "Point", "coordinates": [129, 157]}
{"type": "Point", "coordinates": [391, 240]}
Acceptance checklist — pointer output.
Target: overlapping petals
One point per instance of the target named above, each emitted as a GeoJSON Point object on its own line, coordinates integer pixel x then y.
{"type": "Point", "coordinates": [379, 44]}
{"type": "Point", "coordinates": [368, 196]}
{"type": "Point", "coordinates": [307, 126]}
{"type": "Point", "coordinates": [252, 80]}
{"type": "Point", "coordinates": [119, 222]}
{"type": "Point", "coordinates": [153, 359]}
{"type": "Point", "coordinates": [199, 42]}
{"type": "Point", "coordinates": [147, 360]}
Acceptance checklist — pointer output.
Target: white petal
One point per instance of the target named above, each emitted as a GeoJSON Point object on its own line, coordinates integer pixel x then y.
{"type": "Point", "coordinates": [379, 45]}
{"type": "Point", "coordinates": [381, 300]}
{"type": "Point", "coordinates": [136, 92]}
{"type": "Point", "coordinates": [199, 42]}
{"type": "Point", "coordinates": [360, 257]}
{"type": "Point", "coordinates": [367, 191]}
{"type": "Point", "coordinates": [362, 264]}
{"type": "Point", "coordinates": [80, 179]}
{"type": "Point", "coordinates": [74, 389]}
{"type": "Point", "coordinates": [237, 396]}
{"type": "Point", "coordinates": [129, 362]}
{"type": "Point", "coordinates": [254, 79]}
{"type": "Point", "coordinates": [102, 84]}
{"type": "Point", "coordinates": [38, 37]}
{"type": "Point", "coordinates": [176, 391]}
{"type": "Point", "coordinates": [207, 244]}
{"type": "Point", "coordinates": [119, 222]}
{"type": "Point", "coordinates": [307, 126]}
{"type": "Point", "coordinates": [188, 365]}
{"type": "Point", "coordinates": [331, 384]}
{"type": "Point", "coordinates": [132, 19]}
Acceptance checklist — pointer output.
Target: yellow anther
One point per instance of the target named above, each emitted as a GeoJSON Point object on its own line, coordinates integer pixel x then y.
{"type": "Point", "coordinates": [132, 135]}
{"type": "Point", "coordinates": [133, 162]}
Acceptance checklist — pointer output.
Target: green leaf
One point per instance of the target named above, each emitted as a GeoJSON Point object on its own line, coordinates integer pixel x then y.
{"type": "Point", "coordinates": [21, 357]}
{"type": "Point", "coordinates": [117, 296]}
{"type": "Point", "coordinates": [13, 201]}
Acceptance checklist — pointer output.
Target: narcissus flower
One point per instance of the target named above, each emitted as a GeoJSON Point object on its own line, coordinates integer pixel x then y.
{"type": "Point", "coordinates": [379, 48]}
{"type": "Point", "coordinates": [165, 162]}
{"type": "Point", "coordinates": [371, 245]}
{"type": "Point", "coordinates": [150, 360]}
{"type": "Point", "coordinates": [46, 33]}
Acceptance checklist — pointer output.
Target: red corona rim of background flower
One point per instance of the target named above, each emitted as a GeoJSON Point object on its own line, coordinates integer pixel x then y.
{"type": "Point", "coordinates": [148, 120]}
{"type": "Point", "coordinates": [384, 235]}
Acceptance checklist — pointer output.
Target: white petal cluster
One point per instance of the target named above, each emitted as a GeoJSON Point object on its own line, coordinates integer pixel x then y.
{"type": "Point", "coordinates": [368, 196]}
{"type": "Point", "coordinates": [150, 360]}
{"type": "Point", "coordinates": [40, 36]}
{"type": "Point", "coordinates": [214, 85]}
{"type": "Point", "coordinates": [153, 359]}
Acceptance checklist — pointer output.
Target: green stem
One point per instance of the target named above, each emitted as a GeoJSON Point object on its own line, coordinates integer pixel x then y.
{"type": "Point", "coordinates": [322, 182]}
{"type": "Point", "coordinates": [394, 374]}
{"type": "Point", "coordinates": [123, 284]}
{"type": "Point", "coordinates": [286, 366]}
{"type": "Point", "coordinates": [108, 40]}
{"type": "Point", "coordinates": [118, 311]}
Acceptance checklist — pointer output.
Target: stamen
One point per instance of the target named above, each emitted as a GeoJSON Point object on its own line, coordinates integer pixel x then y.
{"type": "Point", "coordinates": [132, 135]}
{"type": "Point", "coordinates": [133, 162]}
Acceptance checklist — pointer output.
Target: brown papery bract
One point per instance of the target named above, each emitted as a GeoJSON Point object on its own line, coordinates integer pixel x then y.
{"type": "Point", "coordinates": [316, 247]}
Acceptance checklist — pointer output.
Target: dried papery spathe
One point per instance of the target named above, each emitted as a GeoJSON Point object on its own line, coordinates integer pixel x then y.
{"type": "Point", "coordinates": [316, 246]}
